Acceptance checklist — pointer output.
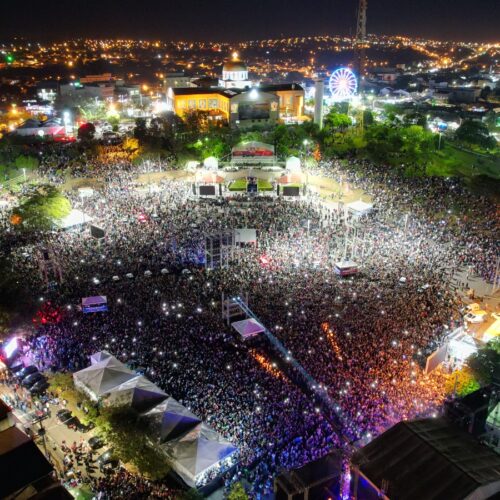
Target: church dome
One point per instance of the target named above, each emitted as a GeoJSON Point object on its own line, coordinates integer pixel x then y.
{"type": "Point", "coordinates": [235, 66]}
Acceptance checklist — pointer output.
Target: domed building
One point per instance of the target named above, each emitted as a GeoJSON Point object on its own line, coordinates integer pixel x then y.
{"type": "Point", "coordinates": [235, 74]}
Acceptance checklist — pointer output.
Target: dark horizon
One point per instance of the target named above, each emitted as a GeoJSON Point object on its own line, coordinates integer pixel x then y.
{"type": "Point", "coordinates": [236, 21]}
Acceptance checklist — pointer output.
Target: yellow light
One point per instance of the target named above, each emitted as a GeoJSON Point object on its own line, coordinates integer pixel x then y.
{"type": "Point", "coordinates": [235, 56]}
{"type": "Point", "coordinates": [145, 88]}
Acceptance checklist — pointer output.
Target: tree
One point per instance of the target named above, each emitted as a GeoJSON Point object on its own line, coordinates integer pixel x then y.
{"type": "Point", "coordinates": [123, 430]}
{"type": "Point", "coordinates": [27, 162]}
{"type": "Point", "coordinates": [140, 130]}
{"type": "Point", "coordinates": [43, 208]}
{"type": "Point", "coordinates": [485, 363]}
{"type": "Point", "coordinates": [462, 382]}
{"type": "Point", "coordinates": [86, 132]}
{"type": "Point", "coordinates": [237, 492]}
{"type": "Point", "coordinates": [196, 121]}
{"type": "Point", "coordinates": [475, 133]}
{"type": "Point", "coordinates": [337, 122]}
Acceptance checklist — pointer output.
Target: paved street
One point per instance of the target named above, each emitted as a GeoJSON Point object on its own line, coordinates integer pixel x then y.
{"type": "Point", "coordinates": [57, 433]}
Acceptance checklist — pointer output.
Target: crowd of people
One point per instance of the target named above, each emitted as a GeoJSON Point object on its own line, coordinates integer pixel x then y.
{"type": "Point", "coordinates": [363, 339]}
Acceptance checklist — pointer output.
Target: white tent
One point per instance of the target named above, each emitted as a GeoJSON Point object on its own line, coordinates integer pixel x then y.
{"type": "Point", "coordinates": [293, 164]}
{"type": "Point", "coordinates": [359, 208]}
{"type": "Point", "coordinates": [197, 452]}
{"type": "Point", "coordinates": [211, 163]}
{"type": "Point", "coordinates": [97, 357]}
{"type": "Point", "coordinates": [98, 379]}
{"type": "Point", "coordinates": [248, 328]}
{"type": "Point", "coordinates": [138, 393]}
{"type": "Point", "coordinates": [73, 219]}
{"type": "Point", "coordinates": [169, 420]}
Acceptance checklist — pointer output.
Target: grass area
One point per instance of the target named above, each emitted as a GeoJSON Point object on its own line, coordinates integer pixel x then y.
{"type": "Point", "coordinates": [263, 185]}
{"type": "Point", "coordinates": [454, 162]}
{"type": "Point", "coordinates": [238, 185]}
{"type": "Point", "coordinates": [241, 185]}
{"type": "Point", "coordinates": [294, 185]}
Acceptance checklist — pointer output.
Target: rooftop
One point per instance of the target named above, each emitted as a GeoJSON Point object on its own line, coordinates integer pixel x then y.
{"type": "Point", "coordinates": [429, 458]}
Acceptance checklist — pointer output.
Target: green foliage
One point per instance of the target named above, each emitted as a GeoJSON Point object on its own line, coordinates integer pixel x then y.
{"type": "Point", "coordinates": [336, 122]}
{"type": "Point", "coordinates": [43, 207]}
{"type": "Point", "coordinates": [191, 494]}
{"type": "Point", "coordinates": [62, 384]}
{"type": "Point", "coordinates": [476, 133]}
{"type": "Point", "coordinates": [211, 145]}
{"type": "Point", "coordinates": [27, 162]}
{"type": "Point", "coordinates": [462, 382]}
{"type": "Point", "coordinates": [121, 427]}
{"type": "Point", "coordinates": [237, 492]}
{"type": "Point", "coordinates": [485, 362]}
{"type": "Point", "coordinates": [289, 140]}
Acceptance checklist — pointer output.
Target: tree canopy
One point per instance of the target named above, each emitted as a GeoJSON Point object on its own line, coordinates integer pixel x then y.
{"type": "Point", "coordinates": [485, 364]}
{"type": "Point", "coordinates": [475, 133]}
{"type": "Point", "coordinates": [122, 429]}
{"type": "Point", "coordinates": [42, 208]}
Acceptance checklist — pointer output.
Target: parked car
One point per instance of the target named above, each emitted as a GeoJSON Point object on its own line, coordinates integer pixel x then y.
{"type": "Point", "coordinates": [80, 426]}
{"type": "Point", "coordinates": [108, 461]}
{"type": "Point", "coordinates": [64, 416]}
{"type": "Point", "coordinates": [26, 371]}
{"type": "Point", "coordinates": [16, 368]}
{"type": "Point", "coordinates": [39, 387]}
{"type": "Point", "coordinates": [96, 442]}
{"type": "Point", "coordinates": [32, 379]}
{"type": "Point", "coordinates": [477, 316]}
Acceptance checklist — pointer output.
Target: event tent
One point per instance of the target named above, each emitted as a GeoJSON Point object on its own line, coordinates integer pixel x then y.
{"type": "Point", "coordinates": [138, 393]}
{"type": "Point", "coordinates": [98, 379]}
{"type": "Point", "coordinates": [196, 452]}
{"type": "Point", "coordinates": [248, 328]}
{"type": "Point", "coordinates": [97, 357]}
{"type": "Point", "coordinates": [359, 208]}
{"type": "Point", "coordinates": [169, 420]}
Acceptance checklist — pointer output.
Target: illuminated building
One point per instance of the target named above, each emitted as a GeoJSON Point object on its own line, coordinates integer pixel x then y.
{"type": "Point", "coordinates": [238, 105]}
{"type": "Point", "coordinates": [235, 74]}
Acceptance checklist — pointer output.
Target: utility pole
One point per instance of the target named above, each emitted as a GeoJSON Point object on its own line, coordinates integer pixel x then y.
{"type": "Point", "coordinates": [360, 41]}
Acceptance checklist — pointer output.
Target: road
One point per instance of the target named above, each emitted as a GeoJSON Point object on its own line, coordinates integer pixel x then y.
{"type": "Point", "coordinates": [55, 432]}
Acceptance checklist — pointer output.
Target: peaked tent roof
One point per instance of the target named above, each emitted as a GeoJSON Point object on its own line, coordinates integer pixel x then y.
{"type": "Point", "coordinates": [100, 378]}
{"type": "Point", "coordinates": [138, 393]}
{"type": "Point", "coordinates": [198, 451]}
{"type": "Point", "coordinates": [429, 458]}
{"type": "Point", "coordinates": [169, 420]}
{"type": "Point", "coordinates": [248, 327]}
{"type": "Point", "coordinates": [100, 356]}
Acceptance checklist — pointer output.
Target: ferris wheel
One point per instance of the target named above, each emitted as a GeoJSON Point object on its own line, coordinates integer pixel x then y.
{"type": "Point", "coordinates": [343, 84]}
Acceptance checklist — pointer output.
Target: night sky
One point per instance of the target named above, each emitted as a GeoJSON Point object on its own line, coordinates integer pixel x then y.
{"type": "Point", "coordinates": [230, 20]}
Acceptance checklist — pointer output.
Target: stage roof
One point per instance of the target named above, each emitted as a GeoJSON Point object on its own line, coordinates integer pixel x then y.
{"type": "Point", "coordinates": [248, 327]}
{"type": "Point", "coordinates": [429, 458]}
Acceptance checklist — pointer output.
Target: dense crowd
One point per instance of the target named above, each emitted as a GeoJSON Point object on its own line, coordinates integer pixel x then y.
{"type": "Point", "coordinates": [363, 339]}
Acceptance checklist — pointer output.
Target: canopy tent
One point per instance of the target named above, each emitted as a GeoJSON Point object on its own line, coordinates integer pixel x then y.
{"type": "Point", "coordinates": [248, 328]}
{"type": "Point", "coordinates": [197, 452]}
{"type": "Point", "coordinates": [204, 177]}
{"type": "Point", "coordinates": [359, 208]}
{"type": "Point", "coordinates": [97, 357]}
{"type": "Point", "coordinates": [74, 219]}
{"type": "Point", "coordinates": [98, 379]}
{"type": "Point", "coordinates": [293, 164]}
{"type": "Point", "coordinates": [169, 420]}
{"type": "Point", "coordinates": [138, 393]}
{"type": "Point", "coordinates": [295, 178]}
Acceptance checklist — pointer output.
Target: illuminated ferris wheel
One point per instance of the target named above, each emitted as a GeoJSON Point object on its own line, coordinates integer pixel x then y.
{"type": "Point", "coordinates": [343, 84]}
